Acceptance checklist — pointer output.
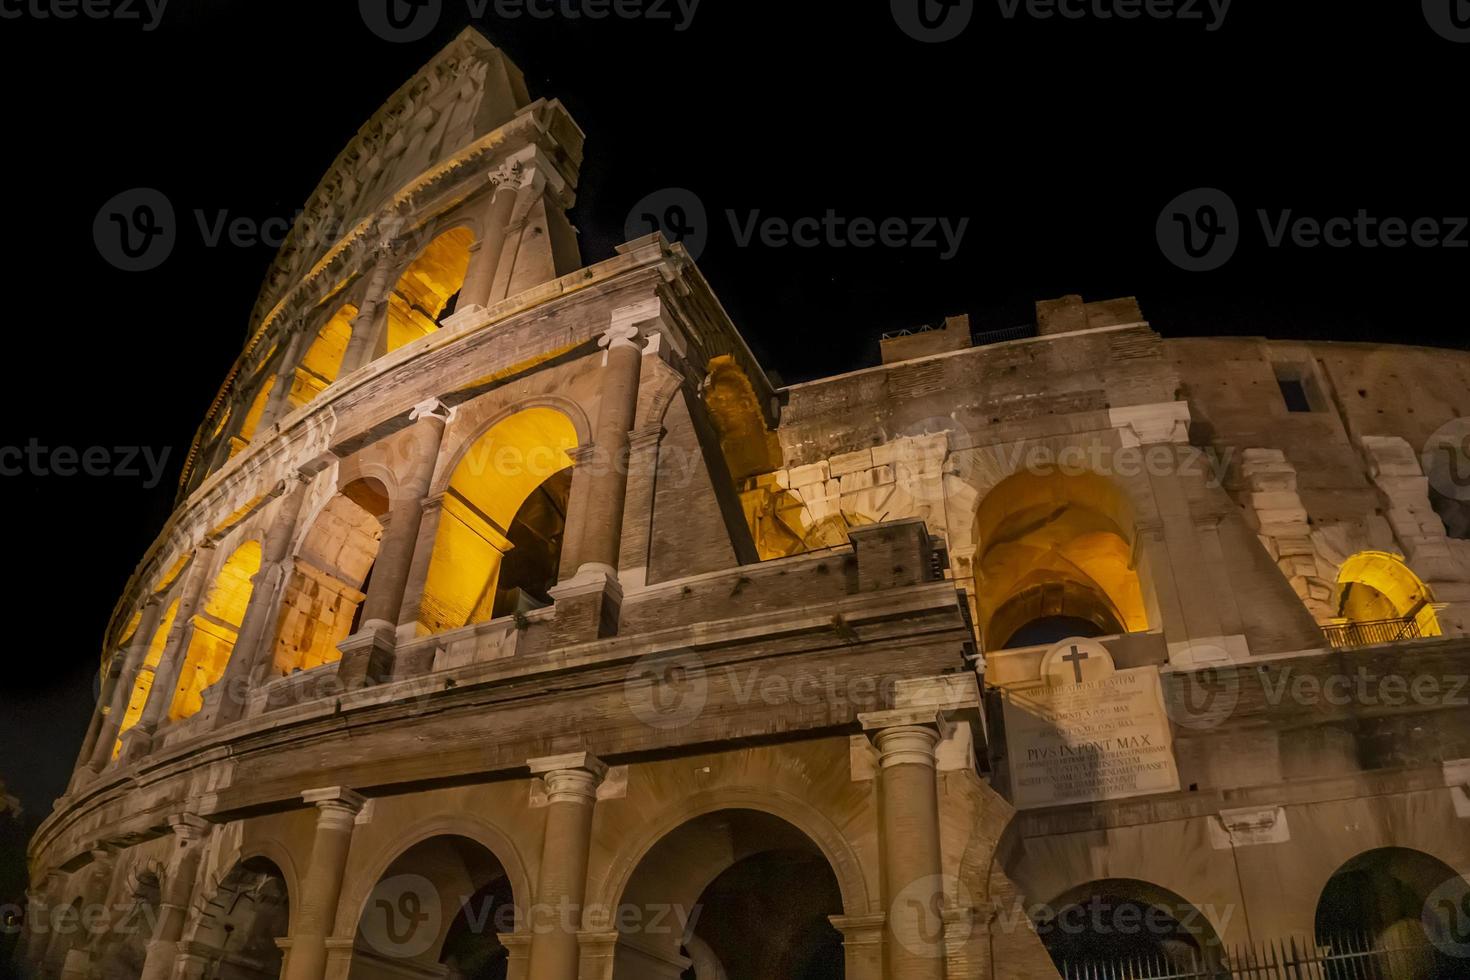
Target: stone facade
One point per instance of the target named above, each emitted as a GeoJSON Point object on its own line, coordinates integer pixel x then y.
{"type": "Point", "coordinates": [511, 623]}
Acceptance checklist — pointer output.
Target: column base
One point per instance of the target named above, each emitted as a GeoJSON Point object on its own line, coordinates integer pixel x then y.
{"type": "Point", "coordinates": [587, 607]}
{"type": "Point", "coordinates": [137, 742]}
{"type": "Point", "coordinates": [367, 656]}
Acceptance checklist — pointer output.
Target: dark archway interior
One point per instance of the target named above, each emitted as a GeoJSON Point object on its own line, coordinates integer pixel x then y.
{"type": "Point", "coordinates": [529, 569]}
{"type": "Point", "coordinates": [1052, 630]}
{"type": "Point", "coordinates": [1114, 925]}
{"type": "Point", "coordinates": [732, 895]}
{"type": "Point", "coordinates": [472, 950]}
{"type": "Point", "coordinates": [1382, 900]}
{"type": "Point", "coordinates": [123, 951]}
{"type": "Point", "coordinates": [799, 943]}
{"type": "Point", "coordinates": [240, 924]}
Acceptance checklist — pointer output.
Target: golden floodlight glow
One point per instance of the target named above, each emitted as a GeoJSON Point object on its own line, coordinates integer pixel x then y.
{"type": "Point", "coordinates": [323, 359]}
{"type": "Point", "coordinates": [251, 422]}
{"type": "Point", "coordinates": [495, 477]}
{"type": "Point", "coordinates": [423, 292]}
{"type": "Point", "coordinates": [1055, 545]}
{"type": "Point", "coordinates": [144, 684]}
{"type": "Point", "coordinates": [215, 630]}
{"type": "Point", "coordinates": [1375, 585]}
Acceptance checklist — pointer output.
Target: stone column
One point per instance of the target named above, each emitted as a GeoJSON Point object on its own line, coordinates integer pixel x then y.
{"type": "Point", "coordinates": [913, 935]}
{"type": "Point", "coordinates": [190, 832]}
{"type": "Point", "coordinates": [556, 917]}
{"type": "Point", "coordinates": [588, 604]}
{"type": "Point", "coordinates": [634, 552]}
{"type": "Point", "coordinates": [171, 664]}
{"type": "Point", "coordinates": [278, 404]}
{"type": "Point", "coordinates": [368, 656]}
{"type": "Point", "coordinates": [321, 887]}
{"type": "Point", "coordinates": [126, 674]}
{"type": "Point", "coordinates": [367, 341]}
{"type": "Point", "coordinates": [71, 947]}
{"type": "Point", "coordinates": [485, 253]}
{"type": "Point", "coordinates": [250, 660]}
{"type": "Point", "coordinates": [518, 945]}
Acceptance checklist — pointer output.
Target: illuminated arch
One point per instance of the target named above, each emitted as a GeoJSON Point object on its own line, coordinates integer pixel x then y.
{"type": "Point", "coordinates": [1375, 585]}
{"type": "Point", "coordinates": [216, 628]}
{"type": "Point", "coordinates": [322, 362]}
{"type": "Point", "coordinates": [425, 292]}
{"type": "Point", "coordinates": [143, 684]}
{"type": "Point", "coordinates": [329, 579]}
{"type": "Point", "coordinates": [503, 513]}
{"type": "Point", "coordinates": [253, 416]}
{"type": "Point", "coordinates": [1055, 551]}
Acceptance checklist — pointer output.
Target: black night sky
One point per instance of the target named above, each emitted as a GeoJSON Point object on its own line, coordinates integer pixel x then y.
{"type": "Point", "coordinates": [1060, 140]}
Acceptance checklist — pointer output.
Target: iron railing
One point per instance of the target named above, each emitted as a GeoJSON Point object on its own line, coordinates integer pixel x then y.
{"type": "Point", "coordinates": [1353, 957]}
{"type": "Point", "coordinates": [1346, 636]}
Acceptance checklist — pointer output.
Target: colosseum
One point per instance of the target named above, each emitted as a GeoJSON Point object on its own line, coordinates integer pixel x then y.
{"type": "Point", "coordinates": [511, 622]}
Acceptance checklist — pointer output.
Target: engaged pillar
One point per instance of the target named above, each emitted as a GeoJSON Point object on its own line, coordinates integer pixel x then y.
{"type": "Point", "coordinates": [127, 679]}
{"type": "Point", "coordinates": [556, 918]}
{"type": "Point", "coordinates": [908, 790]}
{"type": "Point", "coordinates": [163, 949]}
{"type": "Point", "coordinates": [337, 810]}
{"type": "Point", "coordinates": [367, 658]}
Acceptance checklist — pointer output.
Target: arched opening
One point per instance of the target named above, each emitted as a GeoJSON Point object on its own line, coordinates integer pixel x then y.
{"type": "Point", "coordinates": [428, 290]}
{"type": "Point", "coordinates": [323, 600]}
{"type": "Point", "coordinates": [438, 910]}
{"type": "Point", "coordinates": [253, 416]}
{"type": "Point", "coordinates": [1055, 558]}
{"type": "Point", "coordinates": [1105, 928]}
{"type": "Point", "coordinates": [1404, 907]}
{"type": "Point", "coordinates": [143, 684]}
{"type": "Point", "coordinates": [121, 953]}
{"type": "Point", "coordinates": [238, 927]}
{"type": "Point", "coordinates": [215, 630]}
{"type": "Point", "coordinates": [322, 361]}
{"type": "Point", "coordinates": [731, 895]}
{"type": "Point", "coordinates": [1379, 599]}
{"type": "Point", "coordinates": [500, 530]}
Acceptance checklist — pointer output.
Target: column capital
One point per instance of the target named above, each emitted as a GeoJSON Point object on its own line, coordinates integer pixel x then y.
{"type": "Point", "coordinates": [189, 827]}
{"type": "Point", "coordinates": [336, 801]}
{"type": "Point", "coordinates": [570, 778]}
{"type": "Point", "coordinates": [906, 737]}
{"type": "Point", "coordinates": [433, 408]}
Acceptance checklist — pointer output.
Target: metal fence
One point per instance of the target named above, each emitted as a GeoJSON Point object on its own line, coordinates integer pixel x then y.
{"type": "Point", "coordinates": [1341, 958]}
{"type": "Point", "coordinates": [1346, 636]}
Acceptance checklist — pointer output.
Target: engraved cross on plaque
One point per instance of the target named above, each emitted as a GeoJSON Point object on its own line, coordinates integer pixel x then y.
{"type": "Point", "coordinates": [1075, 658]}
